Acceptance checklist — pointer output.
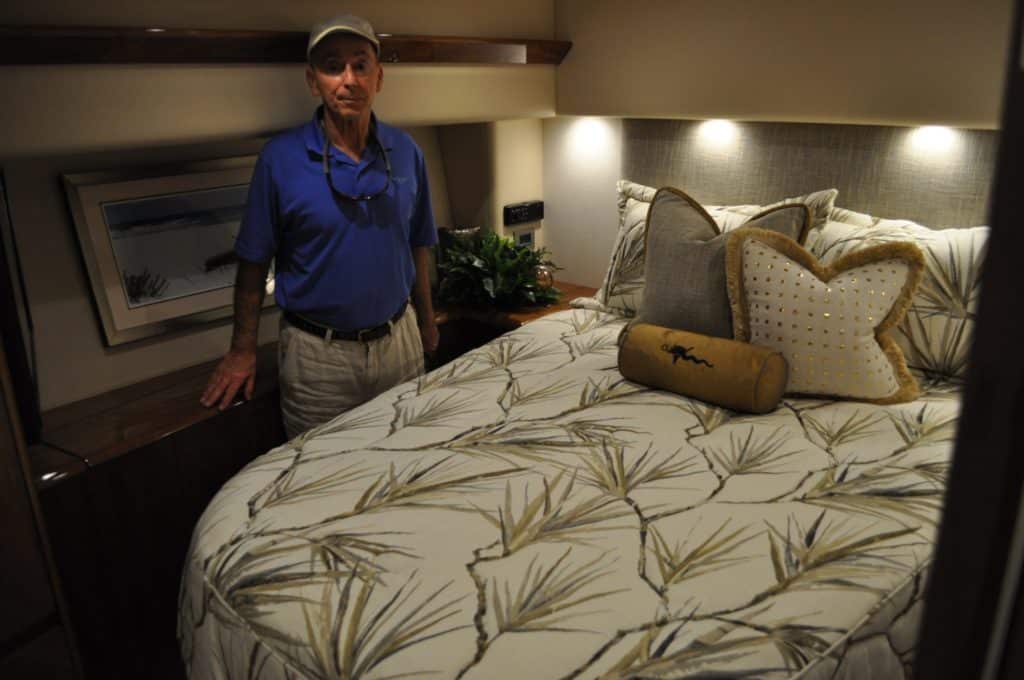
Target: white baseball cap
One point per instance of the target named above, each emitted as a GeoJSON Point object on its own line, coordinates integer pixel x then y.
{"type": "Point", "coordinates": [343, 23]}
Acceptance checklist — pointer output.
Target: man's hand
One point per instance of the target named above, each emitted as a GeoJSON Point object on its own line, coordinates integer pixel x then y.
{"type": "Point", "coordinates": [430, 335]}
{"type": "Point", "coordinates": [421, 299]}
{"type": "Point", "coordinates": [236, 369]}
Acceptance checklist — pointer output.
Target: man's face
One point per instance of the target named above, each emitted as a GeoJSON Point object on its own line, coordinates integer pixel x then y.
{"type": "Point", "coordinates": [345, 74]}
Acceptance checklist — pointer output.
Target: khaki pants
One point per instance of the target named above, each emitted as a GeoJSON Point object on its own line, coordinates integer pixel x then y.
{"type": "Point", "coordinates": [320, 380]}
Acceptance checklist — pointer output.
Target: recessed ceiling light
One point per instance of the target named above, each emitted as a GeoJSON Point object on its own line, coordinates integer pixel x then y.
{"type": "Point", "coordinates": [590, 138]}
{"type": "Point", "coordinates": [718, 132]}
{"type": "Point", "coordinates": [933, 139]}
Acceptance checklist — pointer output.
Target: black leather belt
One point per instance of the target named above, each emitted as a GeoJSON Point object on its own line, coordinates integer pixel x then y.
{"type": "Point", "coordinates": [364, 335]}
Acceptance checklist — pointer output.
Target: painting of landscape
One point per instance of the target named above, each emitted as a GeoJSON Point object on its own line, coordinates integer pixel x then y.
{"type": "Point", "coordinates": [175, 245]}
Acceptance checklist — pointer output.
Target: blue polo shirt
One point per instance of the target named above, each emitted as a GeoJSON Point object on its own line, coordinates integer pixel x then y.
{"type": "Point", "coordinates": [340, 262]}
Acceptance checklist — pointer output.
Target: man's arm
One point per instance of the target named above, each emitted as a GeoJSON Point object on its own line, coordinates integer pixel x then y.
{"type": "Point", "coordinates": [238, 367]}
{"type": "Point", "coordinates": [421, 299]}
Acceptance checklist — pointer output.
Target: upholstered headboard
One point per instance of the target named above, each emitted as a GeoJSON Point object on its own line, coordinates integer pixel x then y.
{"type": "Point", "coordinates": [883, 171]}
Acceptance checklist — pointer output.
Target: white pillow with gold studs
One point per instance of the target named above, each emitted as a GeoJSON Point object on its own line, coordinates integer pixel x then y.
{"type": "Point", "coordinates": [831, 322]}
{"type": "Point", "coordinates": [936, 333]}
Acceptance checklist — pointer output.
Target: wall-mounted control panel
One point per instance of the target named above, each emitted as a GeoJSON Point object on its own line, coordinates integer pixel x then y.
{"type": "Point", "coordinates": [520, 213]}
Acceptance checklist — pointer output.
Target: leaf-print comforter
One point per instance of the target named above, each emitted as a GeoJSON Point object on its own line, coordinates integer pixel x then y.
{"type": "Point", "coordinates": [525, 512]}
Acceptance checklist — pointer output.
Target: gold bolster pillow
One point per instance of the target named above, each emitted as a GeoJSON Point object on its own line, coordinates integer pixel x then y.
{"type": "Point", "coordinates": [729, 373]}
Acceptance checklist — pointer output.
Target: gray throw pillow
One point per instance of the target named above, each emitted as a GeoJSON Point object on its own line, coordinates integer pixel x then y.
{"type": "Point", "coordinates": [793, 220]}
{"type": "Point", "coordinates": [685, 266]}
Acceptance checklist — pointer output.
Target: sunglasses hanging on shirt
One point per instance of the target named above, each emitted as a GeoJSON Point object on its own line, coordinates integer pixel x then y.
{"type": "Point", "coordinates": [327, 168]}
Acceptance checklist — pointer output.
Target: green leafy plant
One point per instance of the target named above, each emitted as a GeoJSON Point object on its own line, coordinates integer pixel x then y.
{"type": "Point", "coordinates": [491, 270]}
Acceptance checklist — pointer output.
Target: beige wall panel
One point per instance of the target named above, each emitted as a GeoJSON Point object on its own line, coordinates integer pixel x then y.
{"type": "Point", "coordinates": [427, 139]}
{"type": "Point", "coordinates": [854, 61]}
{"type": "Point", "coordinates": [488, 165]}
{"type": "Point", "coordinates": [73, 361]}
{"type": "Point", "coordinates": [434, 95]}
{"type": "Point", "coordinates": [518, 168]}
{"type": "Point", "coordinates": [582, 163]}
{"type": "Point", "coordinates": [72, 109]}
{"type": "Point", "coordinates": [75, 109]}
{"type": "Point", "coordinates": [484, 18]}
{"type": "Point", "coordinates": [468, 152]}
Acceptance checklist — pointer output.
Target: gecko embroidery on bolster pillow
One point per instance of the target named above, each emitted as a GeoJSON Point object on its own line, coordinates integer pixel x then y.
{"type": "Point", "coordinates": [679, 352]}
{"type": "Point", "coordinates": [721, 371]}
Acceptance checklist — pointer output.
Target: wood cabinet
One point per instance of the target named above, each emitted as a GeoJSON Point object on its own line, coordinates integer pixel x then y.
{"type": "Point", "coordinates": [123, 479]}
{"type": "Point", "coordinates": [46, 656]}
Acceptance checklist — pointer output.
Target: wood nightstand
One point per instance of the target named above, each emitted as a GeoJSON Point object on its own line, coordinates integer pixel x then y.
{"type": "Point", "coordinates": [465, 328]}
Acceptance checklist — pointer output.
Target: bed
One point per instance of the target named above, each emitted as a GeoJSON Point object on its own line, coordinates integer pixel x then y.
{"type": "Point", "coordinates": [525, 511]}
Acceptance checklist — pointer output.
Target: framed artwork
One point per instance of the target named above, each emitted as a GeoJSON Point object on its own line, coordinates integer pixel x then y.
{"type": "Point", "coordinates": [158, 243]}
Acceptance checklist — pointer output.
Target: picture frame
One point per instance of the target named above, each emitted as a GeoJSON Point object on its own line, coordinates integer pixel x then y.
{"type": "Point", "coordinates": [158, 242]}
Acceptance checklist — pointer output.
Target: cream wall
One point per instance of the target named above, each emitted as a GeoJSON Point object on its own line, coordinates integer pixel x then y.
{"type": "Point", "coordinates": [865, 61]}
{"type": "Point", "coordinates": [427, 139]}
{"type": "Point", "coordinates": [74, 108]}
{"type": "Point", "coordinates": [908, 62]}
{"type": "Point", "coordinates": [518, 171]}
{"type": "Point", "coordinates": [489, 165]}
{"type": "Point", "coordinates": [468, 152]}
{"type": "Point", "coordinates": [72, 360]}
{"type": "Point", "coordinates": [582, 162]}
{"type": "Point", "coordinates": [70, 109]}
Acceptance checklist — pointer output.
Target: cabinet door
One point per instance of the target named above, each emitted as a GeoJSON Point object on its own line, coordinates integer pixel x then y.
{"type": "Point", "coordinates": [34, 642]}
{"type": "Point", "coordinates": [45, 657]}
{"type": "Point", "coordinates": [24, 580]}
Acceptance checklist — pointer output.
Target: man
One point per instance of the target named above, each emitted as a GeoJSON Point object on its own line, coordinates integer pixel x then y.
{"type": "Point", "coordinates": [341, 204]}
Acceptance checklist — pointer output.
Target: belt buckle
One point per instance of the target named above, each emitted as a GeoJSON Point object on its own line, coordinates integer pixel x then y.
{"type": "Point", "coordinates": [360, 335]}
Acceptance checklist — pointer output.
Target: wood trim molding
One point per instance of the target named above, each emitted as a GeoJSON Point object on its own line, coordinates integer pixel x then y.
{"type": "Point", "coordinates": [27, 45]}
{"type": "Point", "coordinates": [102, 428]}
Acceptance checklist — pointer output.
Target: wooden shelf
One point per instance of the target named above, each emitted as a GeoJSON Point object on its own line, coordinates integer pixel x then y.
{"type": "Point", "coordinates": [465, 328]}
{"type": "Point", "coordinates": [93, 431]}
{"type": "Point", "coordinates": [25, 45]}
{"type": "Point", "coordinates": [507, 320]}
